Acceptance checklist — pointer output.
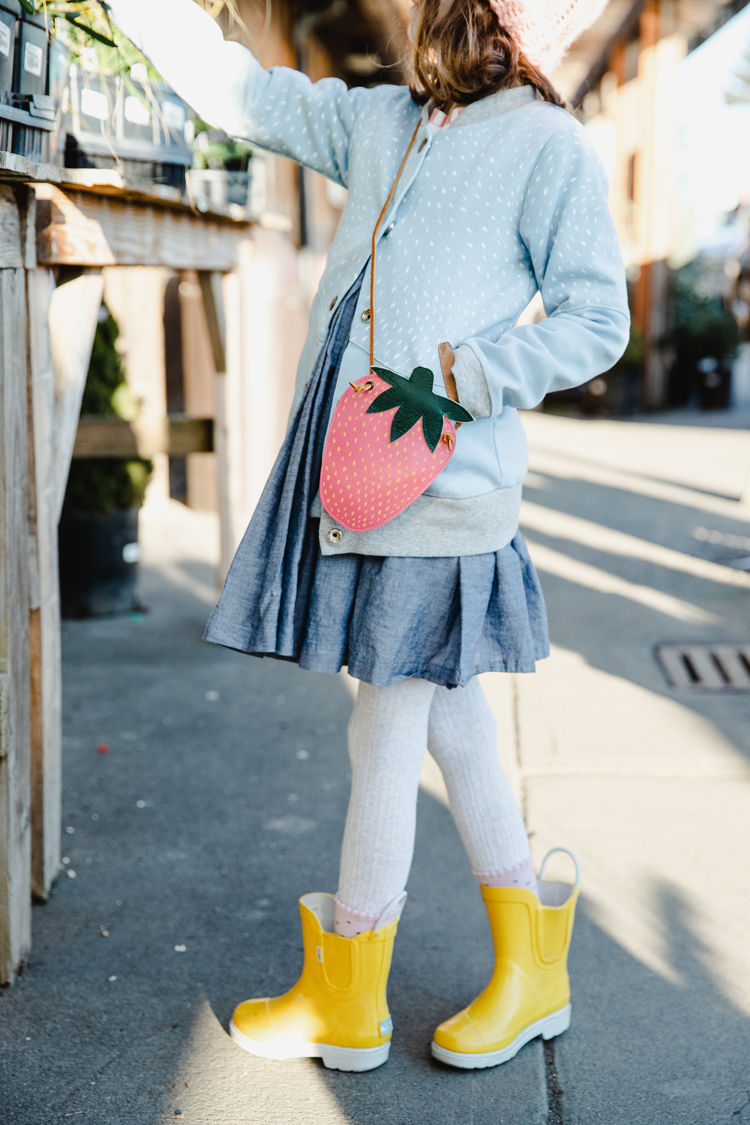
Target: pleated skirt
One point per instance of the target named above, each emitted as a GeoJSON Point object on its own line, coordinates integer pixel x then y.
{"type": "Point", "coordinates": [386, 619]}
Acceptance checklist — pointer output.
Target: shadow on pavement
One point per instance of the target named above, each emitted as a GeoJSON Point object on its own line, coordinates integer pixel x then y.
{"type": "Point", "coordinates": [643, 1049]}
{"type": "Point", "coordinates": [618, 635]}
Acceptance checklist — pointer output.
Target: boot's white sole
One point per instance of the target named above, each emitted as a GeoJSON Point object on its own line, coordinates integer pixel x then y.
{"type": "Point", "coordinates": [548, 1028]}
{"type": "Point", "coordinates": [335, 1058]}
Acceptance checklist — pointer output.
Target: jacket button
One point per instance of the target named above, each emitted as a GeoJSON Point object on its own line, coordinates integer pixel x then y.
{"type": "Point", "coordinates": [333, 302]}
{"type": "Point", "coordinates": [334, 535]}
{"type": "Point", "coordinates": [366, 316]}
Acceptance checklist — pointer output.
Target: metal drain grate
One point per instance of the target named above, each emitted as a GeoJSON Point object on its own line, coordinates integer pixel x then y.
{"type": "Point", "coordinates": [706, 667]}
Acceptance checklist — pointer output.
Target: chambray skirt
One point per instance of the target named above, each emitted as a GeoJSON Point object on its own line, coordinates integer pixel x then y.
{"type": "Point", "coordinates": [440, 619]}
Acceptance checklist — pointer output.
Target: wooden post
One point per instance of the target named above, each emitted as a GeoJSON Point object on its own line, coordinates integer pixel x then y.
{"type": "Point", "coordinates": [135, 296]}
{"type": "Point", "coordinates": [274, 316]}
{"type": "Point", "coordinates": [224, 430]}
{"type": "Point", "coordinates": [62, 325]}
{"type": "Point", "coordinates": [44, 616]}
{"type": "Point", "coordinates": [15, 835]}
{"type": "Point", "coordinates": [661, 51]}
{"type": "Point", "coordinates": [42, 375]}
{"type": "Point", "coordinates": [199, 389]}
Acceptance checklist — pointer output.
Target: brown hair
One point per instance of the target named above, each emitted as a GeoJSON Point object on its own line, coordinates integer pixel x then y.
{"type": "Point", "coordinates": [465, 55]}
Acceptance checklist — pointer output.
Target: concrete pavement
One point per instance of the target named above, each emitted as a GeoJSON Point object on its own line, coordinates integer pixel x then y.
{"type": "Point", "coordinates": [223, 797]}
{"type": "Point", "coordinates": [649, 784]}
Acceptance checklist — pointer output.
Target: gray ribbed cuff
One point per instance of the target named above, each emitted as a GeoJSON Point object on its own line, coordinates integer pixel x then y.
{"type": "Point", "coordinates": [471, 385]}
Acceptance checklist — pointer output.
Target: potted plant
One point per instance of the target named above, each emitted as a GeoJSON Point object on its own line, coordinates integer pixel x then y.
{"type": "Point", "coordinates": [222, 168]}
{"type": "Point", "coordinates": [98, 534]}
{"type": "Point", "coordinates": [704, 340]}
{"type": "Point", "coordinates": [615, 393]}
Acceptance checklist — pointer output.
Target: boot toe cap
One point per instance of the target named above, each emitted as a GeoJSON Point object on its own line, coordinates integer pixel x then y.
{"type": "Point", "coordinates": [460, 1033]}
{"type": "Point", "coordinates": [252, 1018]}
{"type": "Point", "coordinates": [291, 1019]}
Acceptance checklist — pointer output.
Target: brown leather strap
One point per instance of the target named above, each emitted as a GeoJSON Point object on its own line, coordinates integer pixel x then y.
{"type": "Point", "coordinates": [386, 205]}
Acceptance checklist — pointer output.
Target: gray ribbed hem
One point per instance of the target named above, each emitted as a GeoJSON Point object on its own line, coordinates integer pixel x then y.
{"type": "Point", "coordinates": [433, 527]}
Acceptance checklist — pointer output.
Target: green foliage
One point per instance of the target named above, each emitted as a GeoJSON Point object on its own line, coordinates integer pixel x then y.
{"type": "Point", "coordinates": [105, 372]}
{"type": "Point", "coordinates": [702, 327]}
{"type": "Point", "coordinates": [108, 484]}
{"type": "Point", "coordinates": [214, 149]}
{"type": "Point", "coordinates": [739, 91]}
{"type": "Point", "coordinates": [634, 352]}
{"type": "Point", "coordinates": [94, 43]}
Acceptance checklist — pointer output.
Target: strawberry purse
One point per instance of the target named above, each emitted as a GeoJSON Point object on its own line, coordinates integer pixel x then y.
{"type": "Point", "coordinates": [390, 437]}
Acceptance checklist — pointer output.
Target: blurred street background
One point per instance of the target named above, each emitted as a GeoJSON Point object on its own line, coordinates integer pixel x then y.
{"type": "Point", "coordinates": [167, 801]}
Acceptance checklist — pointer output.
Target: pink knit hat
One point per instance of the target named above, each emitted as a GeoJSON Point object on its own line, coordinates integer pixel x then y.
{"type": "Point", "coordinates": [545, 29]}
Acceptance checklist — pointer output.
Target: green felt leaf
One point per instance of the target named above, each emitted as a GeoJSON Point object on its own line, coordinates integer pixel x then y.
{"type": "Point", "coordinates": [455, 411]}
{"type": "Point", "coordinates": [416, 399]}
{"type": "Point", "coordinates": [432, 428]}
{"type": "Point", "coordinates": [403, 420]}
{"type": "Point", "coordinates": [386, 401]}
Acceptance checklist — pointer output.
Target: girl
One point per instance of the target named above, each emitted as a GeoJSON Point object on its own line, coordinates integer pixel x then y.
{"type": "Point", "coordinates": [387, 537]}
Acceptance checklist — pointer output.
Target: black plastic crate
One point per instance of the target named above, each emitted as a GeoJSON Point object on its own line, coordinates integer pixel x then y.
{"type": "Point", "coordinates": [156, 172]}
{"type": "Point", "coordinates": [27, 112]}
{"type": "Point", "coordinates": [10, 14]}
{"type": "Point", "coordinates": [58, 88]}
{"type": "Point", "coordinates": [31, 55]}
{"type": "Point", "coordinates": [142, 129]}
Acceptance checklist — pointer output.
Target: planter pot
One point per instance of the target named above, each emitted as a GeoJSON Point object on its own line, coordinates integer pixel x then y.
{"type": "Point", "coordinates": [715, 384]}
{"type": "Point", "coordinates": [31, 55]}
{"type": "Point", "coordinates": [10, 14]}
{"type": "Point", "coordinates": [142, 129]}
{"type": "Point", "coordinates": [218, 187]}
{"type": "Point", "coordinates": [98, 563]}
{"type": "Point", "coordinates": [616, 393]}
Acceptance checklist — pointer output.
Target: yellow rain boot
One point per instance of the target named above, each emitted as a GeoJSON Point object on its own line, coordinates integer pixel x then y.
{"type": "Point", "coordinates": [529, 992]}
{"type": "Point", "coordinates": [337, 1010]}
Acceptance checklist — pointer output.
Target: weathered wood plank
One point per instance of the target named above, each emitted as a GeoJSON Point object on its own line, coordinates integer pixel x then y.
{"type": "Point", "coordinates": [213, 304]}
{"type": "Point", "coordinates": [44, 621]}
{"type": "Point", "coordinates": [135, 296]}
{"type": "Point", "coordinates": [86, 229]}
{"type": "Point", "coordinates": [11, 249]}
{"type": "Point", "coordinates": [15, 839]}
{"type": "Point", "coordinates": [73, 315]}
{"type": "Point", "coordinates": [114, 437]}
{"type": "Point", "coordinates": [273, 323]}
{"type": "Point", "coordinates": [62, 323]}
{"type": "Point", "coordinates": [190, 435]}
{"type": "Point", "coordinates": [222, 326]}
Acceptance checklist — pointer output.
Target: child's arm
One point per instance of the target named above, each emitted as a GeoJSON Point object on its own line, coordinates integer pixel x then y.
{"type": "Point", "coordinates": [572, 244]}
{"type": "Point", "coordinates": [279, 109]}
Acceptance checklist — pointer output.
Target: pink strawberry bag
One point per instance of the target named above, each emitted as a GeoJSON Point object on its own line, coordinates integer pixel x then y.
{"type": "Point", "coordinates": [390, 437]}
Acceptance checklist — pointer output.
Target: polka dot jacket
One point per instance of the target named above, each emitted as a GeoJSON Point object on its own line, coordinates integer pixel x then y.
{"type": "Point", "coordinates": [508, 201]}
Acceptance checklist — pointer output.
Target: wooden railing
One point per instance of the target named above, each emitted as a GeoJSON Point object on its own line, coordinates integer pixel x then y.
{"type": "Point", "coordinates": [115, 437]}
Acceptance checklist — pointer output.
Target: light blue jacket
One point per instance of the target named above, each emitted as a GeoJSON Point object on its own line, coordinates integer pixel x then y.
{"type": "Point", "coordinates": [508, 201]}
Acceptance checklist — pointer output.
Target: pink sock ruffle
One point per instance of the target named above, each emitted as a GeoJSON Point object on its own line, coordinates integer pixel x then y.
{"type": "Point", "coordinates": [522, 875]}
{"type": "Point", "coordinates": [350, 922]}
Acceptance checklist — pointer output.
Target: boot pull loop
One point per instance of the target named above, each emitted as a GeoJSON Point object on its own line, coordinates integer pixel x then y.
{"type": "Point", "coordinates": [396, 903]}
{"type": "Point", "coordinates": [572, 855]}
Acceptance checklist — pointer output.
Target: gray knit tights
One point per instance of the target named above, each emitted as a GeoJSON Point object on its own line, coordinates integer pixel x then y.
{"type": "Point", "coordinates": [388, 733]}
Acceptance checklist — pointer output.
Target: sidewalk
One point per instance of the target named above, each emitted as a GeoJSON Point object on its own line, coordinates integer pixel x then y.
{"type": "Point", "coordinates": [650, 785]}
{"type": "Point", "coordinates": [223, 798]}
